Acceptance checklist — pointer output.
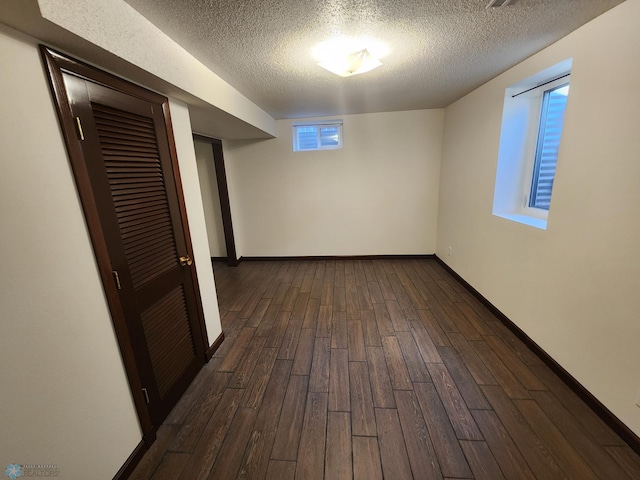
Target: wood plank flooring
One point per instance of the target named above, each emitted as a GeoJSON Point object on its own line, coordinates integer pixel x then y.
{"type": "Point", "coordinates": [381, 369]}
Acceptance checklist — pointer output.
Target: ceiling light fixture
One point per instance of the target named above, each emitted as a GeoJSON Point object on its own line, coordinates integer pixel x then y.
{"type": "Point", "coordinates": [351, 63]}
{"type": "Point", "coordinates": [346, 57]}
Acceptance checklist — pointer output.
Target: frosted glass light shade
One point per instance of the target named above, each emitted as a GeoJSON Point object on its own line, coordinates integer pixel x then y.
{"type": "Point", "coordinates": [351, 64]}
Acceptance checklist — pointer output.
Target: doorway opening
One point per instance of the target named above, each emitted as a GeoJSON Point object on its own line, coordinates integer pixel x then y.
{"type": "Point", "coordinates": [215, 192]}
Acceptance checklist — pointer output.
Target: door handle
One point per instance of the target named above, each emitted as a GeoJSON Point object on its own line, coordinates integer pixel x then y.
{"type": "Point", "coordinates": [186, 260]}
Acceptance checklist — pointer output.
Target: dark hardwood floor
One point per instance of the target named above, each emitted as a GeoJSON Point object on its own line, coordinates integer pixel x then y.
{"type": "Point", "coordinates": [369, 370]}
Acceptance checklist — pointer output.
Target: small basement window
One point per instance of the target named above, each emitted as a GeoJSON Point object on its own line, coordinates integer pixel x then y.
{"type": "Point", "coordinates": [317, 136]}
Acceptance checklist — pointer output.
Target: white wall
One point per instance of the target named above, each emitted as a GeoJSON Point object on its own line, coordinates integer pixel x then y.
{"type": "Point", "coordinates": [377, 195]}
{"type": "Point", "coordinates": [210, 199]}
{"type": "Point", "coordinates": [574, 287]}
{"type": "Point", "coordinates": [65, 398]}
{"type": "Point", "coordinates": [118, 28]}
{"type": "Point", "coordinates": [195, 214]}
{"type": "Point", "coordinates": [112, 34]}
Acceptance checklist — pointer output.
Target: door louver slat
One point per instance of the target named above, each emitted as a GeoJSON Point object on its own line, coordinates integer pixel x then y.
{"type": "Point", "coordinates": [127, 165]}
{"type": "Point", "coordinates": [141, 249]}
{"type": "Point", "coordinates": [139, 156]}
{"type": "Point", "coordinates": [169, 338]}
{"type": "Point", "coordinates": [137, 222]}
{"type": "Point", "coordinates": [134, 190]}
{"type": "Point", "coordinates": [126, 213]}
{"type": "Point", "coordinates": [134, 171]}
{"type": "Point", "coordinates": [113, 130]}
{"type": "Point", "coordinates": [125, 177]}
{"type": "Point", "coordinates": [133, 236]}
{"type": "Point", "coordinates": [124, 208]}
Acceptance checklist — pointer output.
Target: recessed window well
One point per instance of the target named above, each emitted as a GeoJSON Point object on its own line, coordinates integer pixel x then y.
{"type": "Point", "coordinates": [532, 123]}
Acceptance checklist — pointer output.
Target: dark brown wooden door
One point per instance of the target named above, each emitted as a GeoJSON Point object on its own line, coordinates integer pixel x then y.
{"type": "Point", "coordinates": [126, 162]}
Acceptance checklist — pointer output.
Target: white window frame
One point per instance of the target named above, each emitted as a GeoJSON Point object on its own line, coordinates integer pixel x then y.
{"type": "Point", "coordinates": [537, 96]}
{"type": "Point", "coordinates": [518, 143]}
{"type": "Point", "coordinates": [318, 125]}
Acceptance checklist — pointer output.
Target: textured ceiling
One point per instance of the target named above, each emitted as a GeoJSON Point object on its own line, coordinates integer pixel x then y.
{"type": "Point", "coordinates": [439, 50]}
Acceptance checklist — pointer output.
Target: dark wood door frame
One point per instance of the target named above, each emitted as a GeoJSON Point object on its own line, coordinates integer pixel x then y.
{"type": "Point", "coordinates": [223, 192]}
{"type": "Point", "coordinates": [55, 64]}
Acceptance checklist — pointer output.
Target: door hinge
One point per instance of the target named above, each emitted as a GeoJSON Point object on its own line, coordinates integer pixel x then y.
{"type": "Point", "coordinates": [146, 394]}
{"type": "Point", "coordinates": [79, 125]}
{"type": "Point", "coordinates": [117, 279]}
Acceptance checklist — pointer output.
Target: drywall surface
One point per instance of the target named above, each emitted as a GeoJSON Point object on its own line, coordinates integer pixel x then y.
{"type": "Point", "coordinates": [112, 34]}
{"type": "Point", "coordinates": [121, 30]}
{"type": "Point", "coordinates": [574, 287]}
{"type": "Point", "coordinates": [65, 397]}
{"type": "Point", "coordinates": [196, 216]}
{"type": "Point", "coordinates": [210, 198]}
{"type": "Point", "coordinates": [377, 195]}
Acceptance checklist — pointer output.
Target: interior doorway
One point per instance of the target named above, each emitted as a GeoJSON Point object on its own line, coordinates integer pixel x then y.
{"type": "Point", "coordinates": [215, 198]}
{"type": "Point", "coordinates": [210, 200]}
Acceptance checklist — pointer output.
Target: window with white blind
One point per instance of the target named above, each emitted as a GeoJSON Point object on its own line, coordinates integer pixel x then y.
{"type": "Point", "coordinates": [325, 135]}
{"type": "Point", "coordinates": [554, 102]}
{"type": "Point", "coordinates": [532, 124]}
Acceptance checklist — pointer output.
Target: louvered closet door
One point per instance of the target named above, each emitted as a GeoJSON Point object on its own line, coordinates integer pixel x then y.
{"type": "Point", "coordinates": [129, 163]}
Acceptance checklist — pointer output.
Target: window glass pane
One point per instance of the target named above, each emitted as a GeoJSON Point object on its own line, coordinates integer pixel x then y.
{"type": "Point", "coordinates": [551, 122]}
{"type": "Point", "coordinates": [319, 136]}
{"type": "Point", "coordinates": [329, 136]}
{"type": "Point", "coordinates": [307, 138]}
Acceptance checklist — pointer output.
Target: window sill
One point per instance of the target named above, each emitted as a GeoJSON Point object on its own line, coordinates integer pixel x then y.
{"type": "Point", "coordinates": [535, 222]}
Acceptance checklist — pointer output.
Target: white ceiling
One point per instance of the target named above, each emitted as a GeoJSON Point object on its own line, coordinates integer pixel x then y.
{"type": "Point", "coordinates": [439, 49]}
